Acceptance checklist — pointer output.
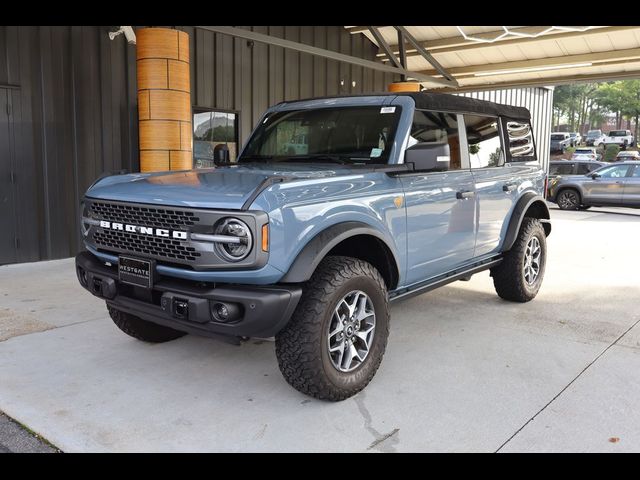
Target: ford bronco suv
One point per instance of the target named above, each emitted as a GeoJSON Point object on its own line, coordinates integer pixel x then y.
{"type": "Point", "coordinates": [385, 196]}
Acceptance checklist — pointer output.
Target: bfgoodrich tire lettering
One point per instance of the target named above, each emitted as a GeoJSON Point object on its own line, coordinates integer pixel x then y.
{"type": "Point", "coordinates": [510, 277]}
{"type": "Point", "coordinates": [141, 329]}
{"type": "Point", "coordinates": [302, 346]}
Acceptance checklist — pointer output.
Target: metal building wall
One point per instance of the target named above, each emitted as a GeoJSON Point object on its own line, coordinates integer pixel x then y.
{"type": "Point", "coordinates": [74, 114]}
{"type": "Point", "coordinates": [539, 101]}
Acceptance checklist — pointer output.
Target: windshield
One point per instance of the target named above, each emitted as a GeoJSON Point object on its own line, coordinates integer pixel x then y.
{"type": "Point", "coordinates": [557, 137]}
{"type": "Point", "coordinates": [594, 133]}
{"type": "Point", "coordinates": [344, 135]}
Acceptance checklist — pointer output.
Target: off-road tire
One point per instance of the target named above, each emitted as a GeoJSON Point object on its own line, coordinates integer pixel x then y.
{"type": "Point", "coordinates": [565, 205]}
{"type": "Point", "coordinates": [141, 329]}
{"type": "Point", "coordinates": [301, 347]}
{"type": "Point", "coordinates": [508, 276]}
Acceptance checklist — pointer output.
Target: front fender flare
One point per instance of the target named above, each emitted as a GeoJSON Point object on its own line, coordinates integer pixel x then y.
{"type": "Point", "coordinates": [525, 202]}
{"type": "Point", "coordinates": [319, 246]}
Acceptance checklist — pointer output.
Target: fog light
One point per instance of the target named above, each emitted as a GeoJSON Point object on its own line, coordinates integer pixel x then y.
{"type": "Point", "coordinates": [225, 312]}
{"type": "Point", "coordinates": [222, 312]}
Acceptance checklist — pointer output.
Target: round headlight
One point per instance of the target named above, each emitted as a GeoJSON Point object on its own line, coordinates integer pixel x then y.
{"type": "Point", "coordinates": [240, 241]}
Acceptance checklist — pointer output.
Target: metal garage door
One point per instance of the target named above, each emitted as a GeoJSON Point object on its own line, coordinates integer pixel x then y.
{"type": "Point", "coordinates": [8, 244]}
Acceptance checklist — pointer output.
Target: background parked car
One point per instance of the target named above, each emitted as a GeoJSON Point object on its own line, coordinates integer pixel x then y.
{"type": "Point", "coordinates": [627, 155]}
{"type": "Point", "coordinates": [560, 141]}
{"type": "Point", "coordinates": [594, 138]}
{"type": "Point", "coordinates": [591, 152]}
{"type": "Point", "coordinates": [576, 138]}
{"type": "Point", "coordinates": [611, 185]}
{"type": "Point", "coordinates": [622, 138]}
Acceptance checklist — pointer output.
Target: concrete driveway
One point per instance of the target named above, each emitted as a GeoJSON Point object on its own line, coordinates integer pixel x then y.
{"type": "Point", "coordinates": [464, 370]}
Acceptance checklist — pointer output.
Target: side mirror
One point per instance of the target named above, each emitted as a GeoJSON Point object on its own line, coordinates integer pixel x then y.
{"type": "Point", "coordinates": [221, 154]}
{"type": "Point", "coordinates": [429, 156]}
{"type": "Point", "coordinates": [595, 175]}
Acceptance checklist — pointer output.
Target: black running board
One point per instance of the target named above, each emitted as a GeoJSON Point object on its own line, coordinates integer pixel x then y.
{"type": "Point", "coordinates": [443, 280]}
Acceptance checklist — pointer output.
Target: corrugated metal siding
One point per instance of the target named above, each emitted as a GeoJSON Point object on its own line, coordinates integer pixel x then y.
{"type": "Point", "coordinates": [538, 100]}
{"type": "Point", "coordinates": [75, 107]}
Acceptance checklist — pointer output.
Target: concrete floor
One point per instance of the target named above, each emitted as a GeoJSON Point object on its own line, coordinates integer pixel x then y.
{"type": "Point", "coordinates": [464, 370]}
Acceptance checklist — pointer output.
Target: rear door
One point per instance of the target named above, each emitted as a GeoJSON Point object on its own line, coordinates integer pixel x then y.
{"type": "Point", "coordinates": [631, 192]}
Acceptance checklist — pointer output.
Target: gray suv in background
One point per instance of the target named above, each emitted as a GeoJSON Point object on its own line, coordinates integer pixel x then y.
{"type": "Point", "coordinates": [611, 185]}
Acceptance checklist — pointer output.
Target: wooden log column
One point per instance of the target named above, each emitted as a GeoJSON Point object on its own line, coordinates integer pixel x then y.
{"type": "Point", "coordinates": [164, 99]}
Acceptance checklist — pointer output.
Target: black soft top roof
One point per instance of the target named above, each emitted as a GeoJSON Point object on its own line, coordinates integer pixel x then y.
{"type": "Point", "coordinates": [444, 101]}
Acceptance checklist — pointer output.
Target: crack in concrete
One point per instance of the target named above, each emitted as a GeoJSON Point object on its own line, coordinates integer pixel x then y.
{"type": "Point", "coordinates": [379, 438]}
{"type": "Point", "coordinates": [567, 385]}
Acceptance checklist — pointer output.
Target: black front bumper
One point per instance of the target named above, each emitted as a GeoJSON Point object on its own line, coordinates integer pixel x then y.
{"type": "Point", "coordinates": [187, 306]}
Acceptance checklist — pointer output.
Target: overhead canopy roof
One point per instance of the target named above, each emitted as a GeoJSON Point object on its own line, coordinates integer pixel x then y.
{"type": "Point", "coordinates": [477, 57]}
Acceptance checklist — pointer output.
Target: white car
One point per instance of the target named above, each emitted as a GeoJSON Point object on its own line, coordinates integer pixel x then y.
{"type": "Point", "coordinates": [622, 138]}
{"type": "Point", "coordinates": [582, 153]}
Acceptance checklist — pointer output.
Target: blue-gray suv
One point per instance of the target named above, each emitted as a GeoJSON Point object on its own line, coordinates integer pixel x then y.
{"type": "Point", "coordinates": [384, 197]}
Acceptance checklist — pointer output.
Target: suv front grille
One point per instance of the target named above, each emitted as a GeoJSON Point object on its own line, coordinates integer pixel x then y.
{"type": "Point", "coordinates": [149, 216]}
{"type": "Point", "coordinates": [156, 246]}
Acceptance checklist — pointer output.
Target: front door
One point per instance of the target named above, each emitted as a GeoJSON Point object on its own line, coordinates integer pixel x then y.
{"type": "Point", "coordinates": [440, 205]}
{"type": "Point", "coordinates": [8, 247]}
{"type": "Point", "coordinates": [607, 187]}
{"type": "Point", "coordinates": [631, 192]}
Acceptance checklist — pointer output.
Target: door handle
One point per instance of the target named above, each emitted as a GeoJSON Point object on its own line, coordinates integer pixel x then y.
{"type": "Point", "coordinates": [508, 187]}
{"type": "Point", "coordinates": [464, 194]}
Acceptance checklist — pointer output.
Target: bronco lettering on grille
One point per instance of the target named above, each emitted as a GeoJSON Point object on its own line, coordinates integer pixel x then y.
{"type": "Point", "coordinates": [158, 232]}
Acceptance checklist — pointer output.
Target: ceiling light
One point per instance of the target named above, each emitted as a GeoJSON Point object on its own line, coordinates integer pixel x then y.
{"type": "Point", "coordinates": [532, 69]}
{"type": "Point", "coordinates": [507, 32]}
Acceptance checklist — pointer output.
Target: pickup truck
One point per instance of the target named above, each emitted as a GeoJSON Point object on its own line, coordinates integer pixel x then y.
{"type": "Point", "coordinates": [560, 141]}
{"type": "Point", "coordinates": [594, 138]}
{"type": "Point", "coordinates": [395, 195]}
{"type": "Point", "coordinates": [622, 138]}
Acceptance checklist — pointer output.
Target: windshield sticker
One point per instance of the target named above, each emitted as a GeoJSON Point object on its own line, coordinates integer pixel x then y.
{"type": "Point", "coordinates": [375, 152]}
{"type": "Point", "coordinates": [387, 109]}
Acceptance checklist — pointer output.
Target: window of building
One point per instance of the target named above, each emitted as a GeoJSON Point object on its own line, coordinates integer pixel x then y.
{"type": "Point", "coordinates": [521, 147]}
{"type": "Point", "coordinates": [483, 137]}
{"type": "Point", "coordinates": [213, 130]}
{"type": "Point", "coordinates": [437, 127]}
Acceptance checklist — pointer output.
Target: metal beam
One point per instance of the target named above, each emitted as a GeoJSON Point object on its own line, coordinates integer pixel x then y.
{"type": "Point", "coordinates": [614, 56]}
{"type": "Point", "coordinates": [402, 52]}
{"type": "Point", "coordinates": [428, 57]}
{"type": "Point", "coordinates": [459, 44]}
{"type": "Point", "coordinates": [385, 46]}
{"type": "Point", "coordinates": [544, 82]}
{"type": "Point", "coordinates": [320, 52]}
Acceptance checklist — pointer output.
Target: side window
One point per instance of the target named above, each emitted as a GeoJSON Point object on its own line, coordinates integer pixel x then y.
{"type": "Point", "coordinates": [584, 168]}
{"type": "Point", "coordinates": [429, 127]}
{"type": "Point", "coordinates": [617, 171]}
{"type": "Point", "coordinates": [521, 147]}
{"type": "Point", "coordinates": [636, 172]}
{"type": "Point", "coordinates": [561, 169]}
{"type": "Point", "coordinates": [483, 137]}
